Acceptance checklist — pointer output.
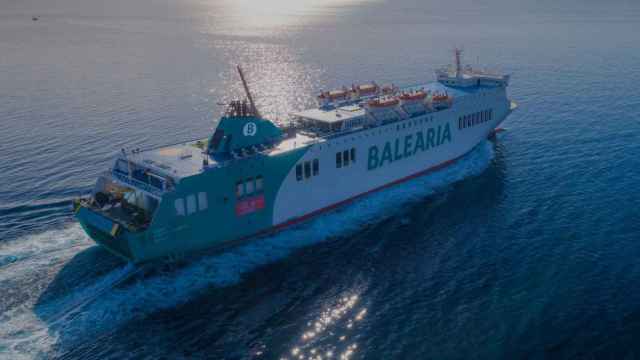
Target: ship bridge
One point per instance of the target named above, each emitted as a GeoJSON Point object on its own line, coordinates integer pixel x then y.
{"type": "Point", "coordinates": [465, 77]}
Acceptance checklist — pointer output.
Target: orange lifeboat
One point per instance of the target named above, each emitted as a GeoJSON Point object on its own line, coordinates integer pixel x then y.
{"type": "Point", "coordinates": [337, 94]}
{"type": "Point", "coordinates": [366, 89]}
{"type": "Point", "coordinates": [440, 97]}
{"type": "Point", "coordinates": [413, 96]}
{"type": "Point", "coordinates": [328, 96]}
{"type": "Point", "coordinates": [383, 103]}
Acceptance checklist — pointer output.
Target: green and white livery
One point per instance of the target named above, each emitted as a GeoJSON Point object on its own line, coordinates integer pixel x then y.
{"type": "Point", "coordinates": [252, 176]}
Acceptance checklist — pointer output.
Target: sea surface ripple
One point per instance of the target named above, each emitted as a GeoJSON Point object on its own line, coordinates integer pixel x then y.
{"type": "Point", "coordinates": [526, 248]}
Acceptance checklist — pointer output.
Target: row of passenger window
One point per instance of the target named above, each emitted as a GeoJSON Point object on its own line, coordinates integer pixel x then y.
{"type": "Point", "coordinates": [343, 158]}
{"type": "Point", "coordinates": [192, 203]}
{"type": "Point", "coordinates": [416, 122]}
{"type": "Point", "coordinates": [308, 166]}
{"type": "Point", "coordinates": [475, 119]}
{"type": "Point", "coordinates": [249, 186]}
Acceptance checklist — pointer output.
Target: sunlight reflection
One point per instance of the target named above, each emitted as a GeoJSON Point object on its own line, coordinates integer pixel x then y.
{"type": "Point", "coordinates": [326, 336]}
{"type": "Point", "coordinates": [279, 82]}
{"type": "Point", "coordinates": [251, 17]}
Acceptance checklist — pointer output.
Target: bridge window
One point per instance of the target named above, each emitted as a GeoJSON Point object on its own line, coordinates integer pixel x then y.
{"type": "Point", "coordinates": [299, 172]}
{"type": "Point", "coordinates": [343, 158]}
{"type": "Point", "coordinates": [203, 204]}
{"type": "Point", "coordinates": [248, 185]}
{"type": "Point", "coordinates": [259, 183]}
{"type": "Point", "coordinates": [179, 204]}
{"type": "Point", "coordinates": [239, 189]}
{"type": "Point", "coordinates": [316, 167]}
{"type": "Point", "coordinates": [191, 204]}
{"type": "Point", "coordinates": [307, 169]}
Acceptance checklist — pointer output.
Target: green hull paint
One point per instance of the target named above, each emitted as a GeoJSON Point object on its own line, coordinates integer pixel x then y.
{"type": "Point", "coordinates": [217, 226]}
{"type": "Point", "coordinates": [118, 245]}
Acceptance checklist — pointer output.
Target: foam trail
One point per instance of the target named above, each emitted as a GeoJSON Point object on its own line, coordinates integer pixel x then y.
{"type": "Point", "coordinates": [43, 245]}
{"type": "Point", "coordinates": [22, 328]}
{"type": "Point", "coordinates": [80, 299]}
{"type": "Point", "coordinates": [137, 300]}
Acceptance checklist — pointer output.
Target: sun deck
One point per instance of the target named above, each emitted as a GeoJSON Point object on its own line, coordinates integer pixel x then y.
{"type": "Point", "coordinates": [177, 160]}
{"type": "Point", "coordinates": [186, 159]}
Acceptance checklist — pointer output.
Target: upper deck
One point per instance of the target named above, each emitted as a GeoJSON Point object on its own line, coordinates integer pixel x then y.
{"type": "Point", "coordinates": [189, 158]}
{"type": "Point", "coordinates": [177, 160]}
{"type": "Point", "coordinates": [350, 109]}
{"type": "Point", "coordinates": [243, 133]}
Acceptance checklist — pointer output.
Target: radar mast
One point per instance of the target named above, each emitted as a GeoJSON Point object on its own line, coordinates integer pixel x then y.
{"type": "Point", "coordinates": [247, 92]}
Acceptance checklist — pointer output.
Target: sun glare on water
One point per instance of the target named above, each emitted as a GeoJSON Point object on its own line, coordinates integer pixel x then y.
{"type": "Point", "coordinates": [263, 18]}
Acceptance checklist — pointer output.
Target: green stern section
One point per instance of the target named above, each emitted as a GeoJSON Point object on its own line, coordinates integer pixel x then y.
{"type": "Point", "coordinates": [109, 234]}
{"type": "Point", "coordinates": [221, 224]}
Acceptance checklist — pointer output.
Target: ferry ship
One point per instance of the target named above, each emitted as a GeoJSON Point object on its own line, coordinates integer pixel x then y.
{"type": "Point", "coordinates": [252, 176]}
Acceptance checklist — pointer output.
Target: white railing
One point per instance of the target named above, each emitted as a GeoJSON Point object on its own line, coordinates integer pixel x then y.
{"type": "Point", "coordinates": [137, 184]}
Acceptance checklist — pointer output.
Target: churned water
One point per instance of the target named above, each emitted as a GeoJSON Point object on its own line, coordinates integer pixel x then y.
{"type": "Point", "coordinates": [526, 248]}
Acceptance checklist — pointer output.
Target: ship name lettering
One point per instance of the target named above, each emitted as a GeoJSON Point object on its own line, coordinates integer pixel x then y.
{"type": "Point", "coordinates": [402, 148]}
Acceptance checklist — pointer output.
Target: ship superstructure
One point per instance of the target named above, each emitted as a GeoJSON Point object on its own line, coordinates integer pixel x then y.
{"type": "Point", "coordinates": [252, 176]}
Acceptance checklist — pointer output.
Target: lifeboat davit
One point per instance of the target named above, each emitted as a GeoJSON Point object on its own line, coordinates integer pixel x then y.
{"type": "Point", "coordinates": [383, 103]}
{"type": "Point", "coordinates": [389, 89]}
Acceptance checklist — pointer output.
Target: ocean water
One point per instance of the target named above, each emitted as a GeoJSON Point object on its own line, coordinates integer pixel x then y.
{"type": "Point", "coordinates": [526, 248]}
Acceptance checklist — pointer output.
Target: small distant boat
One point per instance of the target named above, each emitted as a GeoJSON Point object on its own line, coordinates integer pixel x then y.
{"type": "Point", "coordinates": [35, 18]}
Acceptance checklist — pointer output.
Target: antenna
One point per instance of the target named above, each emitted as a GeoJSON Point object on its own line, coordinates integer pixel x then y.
{"type": "Point", "coordinates": [458, 53]}
{"type": "Point", "coordinates": [246, 90]}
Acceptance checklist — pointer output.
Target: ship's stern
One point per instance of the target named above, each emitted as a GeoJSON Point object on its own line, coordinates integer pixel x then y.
{"type": "Point", "coordinates": [111, 235]}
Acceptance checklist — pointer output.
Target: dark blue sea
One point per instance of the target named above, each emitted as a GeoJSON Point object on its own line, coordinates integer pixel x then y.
{"type": "Point", "coordinates": [527, 248]}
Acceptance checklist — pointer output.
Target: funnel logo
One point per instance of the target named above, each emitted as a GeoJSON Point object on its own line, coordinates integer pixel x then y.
{"type": "Point", "coordinates": [249, 129]}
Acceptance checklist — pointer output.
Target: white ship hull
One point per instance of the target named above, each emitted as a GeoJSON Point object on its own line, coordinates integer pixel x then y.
{"type": "Point", "coordinates": [334, 185]}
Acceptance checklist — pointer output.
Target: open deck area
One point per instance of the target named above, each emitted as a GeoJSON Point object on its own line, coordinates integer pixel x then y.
{"type": "Point", "coordinates": [177, 160]}
{"type": "Point", "coordinates": [350, 109]}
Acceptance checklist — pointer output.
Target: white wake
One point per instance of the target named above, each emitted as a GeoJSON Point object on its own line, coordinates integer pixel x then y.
{"type": "Point", "coordinates": [26, 331]}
